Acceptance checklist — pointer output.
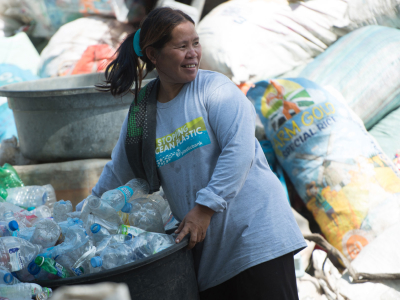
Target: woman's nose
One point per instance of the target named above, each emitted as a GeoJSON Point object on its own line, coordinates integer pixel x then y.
{"type": "Point", "coordinates": [191, 53]}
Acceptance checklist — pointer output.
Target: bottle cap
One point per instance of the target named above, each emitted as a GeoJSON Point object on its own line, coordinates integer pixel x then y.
{"type": "Point", "coordinates": [95, 228]}
{"type": "Point", "coordinates": [30, 208]}
{"type": "Point", "coordinates": [33, 268]}
{"type": "Point", "coordinates": [96, 261]}
{"type": "Point", "coordinates": [13, 225]}
{"type": "Point", "coordinates": [8, 278]}
{"type": "Point", "coordinates": [128, 237]}
{"type": "Point", "coordinates": [62, 202]}
{"type": "Point", "coordinates": [127, 207]}
{"type": "Point", "coordinates": [39, 260]}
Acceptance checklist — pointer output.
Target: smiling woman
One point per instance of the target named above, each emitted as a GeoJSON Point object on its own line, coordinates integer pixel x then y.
{"type": "Point", "coordinates": [192, 132]}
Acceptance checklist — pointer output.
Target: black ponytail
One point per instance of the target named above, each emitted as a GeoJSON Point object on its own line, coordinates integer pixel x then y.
{"type": "Point", "coordinates": [124, 71]}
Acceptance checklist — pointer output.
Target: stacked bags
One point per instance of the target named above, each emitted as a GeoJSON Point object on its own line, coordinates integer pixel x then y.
{"type": "Point", "coordinates": [339, 170]}
{"type": "Point", "coordinates": [346, 181]}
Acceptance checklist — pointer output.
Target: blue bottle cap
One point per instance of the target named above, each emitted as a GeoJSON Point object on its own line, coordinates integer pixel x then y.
{"type": "Point", "coordinates": [30, 208]}
{"type": "Point", "coordinates": [127, 207]}
{"type": "Point", "coordinates": [96, 261]}
{"type": "Point", "coordinates": [13, 225]}
{"type": "Point", "coordinates": [8, 278]}
{"type": "Point", "coordinates": [128, 237]}
{"type": "Point", "coordinates": [33, 268]}
{"type": "Point", "coordinates": [62, 202]}
{"type": "Point", "coordinates": [95, 228]}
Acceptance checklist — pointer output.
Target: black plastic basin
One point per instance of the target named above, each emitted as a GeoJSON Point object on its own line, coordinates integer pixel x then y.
{"type": "Point", "coordinates": [167, 275]}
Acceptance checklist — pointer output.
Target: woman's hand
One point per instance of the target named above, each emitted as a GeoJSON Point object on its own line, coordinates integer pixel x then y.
{"type": "Point", "coordinates": [196, 223]}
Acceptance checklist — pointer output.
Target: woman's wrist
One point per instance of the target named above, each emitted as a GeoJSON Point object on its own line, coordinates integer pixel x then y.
{"type": "Point", "coordinates": [206, 210]}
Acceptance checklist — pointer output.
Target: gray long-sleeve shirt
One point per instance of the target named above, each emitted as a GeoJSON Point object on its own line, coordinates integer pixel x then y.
{"type": "Point", "coordinates": [207, 153]}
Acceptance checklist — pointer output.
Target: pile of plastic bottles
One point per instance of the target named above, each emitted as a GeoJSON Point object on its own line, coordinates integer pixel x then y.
{"type": "Point", "coordinates": [42, 239]}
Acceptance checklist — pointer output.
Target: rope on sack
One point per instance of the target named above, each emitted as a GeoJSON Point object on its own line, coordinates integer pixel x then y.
{"type": "Point", "coordinates": [355, 276]}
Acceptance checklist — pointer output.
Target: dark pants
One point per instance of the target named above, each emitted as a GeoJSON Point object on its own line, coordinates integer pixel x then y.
{"type": "Point", "coordinates": [272, 280]}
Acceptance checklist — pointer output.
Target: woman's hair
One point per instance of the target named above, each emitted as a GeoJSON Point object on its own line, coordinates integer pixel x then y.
{"type": "Point", "coordinates": [127, 69]}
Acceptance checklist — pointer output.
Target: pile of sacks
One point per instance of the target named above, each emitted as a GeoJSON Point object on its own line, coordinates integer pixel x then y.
{"type": "Point", "coordinates": [42, 239]}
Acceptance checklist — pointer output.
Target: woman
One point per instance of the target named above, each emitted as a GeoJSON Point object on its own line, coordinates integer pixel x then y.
{"type": "Point", "coordinates": [192, 131]}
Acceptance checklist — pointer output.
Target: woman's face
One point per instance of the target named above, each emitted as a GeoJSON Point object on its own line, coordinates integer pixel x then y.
{"type": "Point", "coordinates": [178, 61]}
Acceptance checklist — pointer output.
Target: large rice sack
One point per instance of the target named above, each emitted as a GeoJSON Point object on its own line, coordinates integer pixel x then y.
{"type": "Point", "coordinates": [67, 47]}
{"type": "Point", "coordinates": [254, 40]}
{"type": "Point", "coordinates": [340, 172]}
{"type": "Point", "coordinates": [364, 66]}
{"type": "Point", "coordinates": [387, 133]}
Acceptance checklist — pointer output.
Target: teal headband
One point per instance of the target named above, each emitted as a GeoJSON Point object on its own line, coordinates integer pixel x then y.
{"type": "Point", "coordinates": [136, 46]}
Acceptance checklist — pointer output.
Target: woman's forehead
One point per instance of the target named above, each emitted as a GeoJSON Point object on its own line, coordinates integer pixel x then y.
{"type": "Point", "coordinates": [184, 31]}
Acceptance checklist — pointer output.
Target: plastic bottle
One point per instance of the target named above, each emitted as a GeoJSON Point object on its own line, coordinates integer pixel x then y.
{"type": "Point", "coordinates": [51, 266]}
{"type": "Point", "coordinates": [112, 239]}
{"type": "Point", "coordinates": [113, 256]}
{"type": "Point", "coordinates": [61, 209]}
{"type": "Point", "coordinates": [8, 228]}
{"type": "Point", "coordinates": [9, 177]}
{"type": "Point", "coordinates": [146, 216]}
{"type": "Point", "coordinates": [100, 208]}
{"type": "Point", "coordinates": [99, 232]}
{"type": "Point", "coordinates": [37, 271]}
{"type": "Point", "coordinates": [112, 227]}
{"type": "Point", "coordinates": [149, 243]}
{"type": "Point", "coordinates": [118, 197]}
{"type": "Point", "coordinates": [42, 212]}
{"type": "Point", "coordinates": [25, 233]}
{"type": "Point", "coordinates": [46, 233]}
{"type": "Point", "coordinates": [16, 253]}
{"type": "Point", "coordinates": [27, 196]}
{"type": "Point", "coordinates": [5, 276]}
{"type": "Point", "coordinates": [21, 291]}
{"type": "Point", "coordinates": [134, 231]}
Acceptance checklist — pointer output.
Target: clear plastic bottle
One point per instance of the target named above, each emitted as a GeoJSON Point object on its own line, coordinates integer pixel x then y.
{"type": "Point", "coordinates": [46, 233]}
{"type": "Point", "coordinates": [16, 253]}
{"type": "Point", "coordinates": [112, 227]}
{"type": "Point", "coordinates": [149, 243]}
{"type": "Point", "coordinates": [113, 256]}
{"type": "Point", "coordinates": [42, 212]}
{"type": "Point", "coordinates": [25, 233]}
{"type": "Point", "coordinates": [118, 197]}
{"type": "Point", "coordinates": [8, 228]}
{"type": "Point", "coordinates": [146, 216]}
{"type": "Point", "coordinates": [51, 266]}
{"type": "Point", "coordinates": [37, 271]}
{"type": "Point", "coordinates": [99, 232]}
{"type": "Point", "coordinates": [100, 208]}
{"type": "Point", "coordinates": [28, 196]}
{"type": "Point", "coordinates": [61, 209]}
{"type": "Point", "coordinates": [5, 276]}
{"type": "Point", "coordinates": [21, 291]}
{"type": "Point", "coordinates": [112, 239]}
{"type": "Point", "coordinates": [134, 231]}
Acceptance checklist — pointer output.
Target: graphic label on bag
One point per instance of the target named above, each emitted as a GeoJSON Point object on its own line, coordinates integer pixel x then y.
{"type": "Point", "coordinates": [182, 141]}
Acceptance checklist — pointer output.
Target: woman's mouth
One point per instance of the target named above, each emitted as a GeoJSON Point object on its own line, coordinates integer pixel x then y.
{"type": "Point", "coordinates": [189, 66]}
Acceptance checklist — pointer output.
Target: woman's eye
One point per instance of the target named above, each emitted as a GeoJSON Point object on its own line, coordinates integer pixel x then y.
{"type": "Point", "coordinates": [196, 43]}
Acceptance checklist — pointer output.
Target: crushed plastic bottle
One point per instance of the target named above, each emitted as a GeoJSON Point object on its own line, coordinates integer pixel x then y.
{"type": "Point", "coordinates": [16, 253]}
{"type": "Point", "coordinates": [132, 230]}
{"type": "Point", "coordinates": [113, 256]}
{"type": "Point", "coordinates": [51, 266]}
{"type": "Point", "coordinates": [46, 233]}
{"type": "Point", "coordinates": [112, 227]}
{"type": "Point", "coordinates": [112, 239]}
{"type": "Point", "coordinates": [146, 216]}
{"type": "Point", "coordinates": [21, 291]}
{"type": "Point", "coordinates": [5, 276]}
{"type": "Point", "coordinates": [118, 197]}
{"type": "Point", "coordinates": [100, 208]}
{"type": "Point", "coordinates": [42, 212]}
{"type": "Point", "coordinates": [9, 177]}
{"type": "Point", "coordinates": [99, 232]}
{"type": "Point", "coordinates": [25, 233]}
{"type": "Point", "coordinates": [61, 209]}
{"type": "Point", "coordinates": [37, 272]}
{"type": "Point", "coordinates": [149, 243]}
{"type": "Point", "coordinates": [28, 196]}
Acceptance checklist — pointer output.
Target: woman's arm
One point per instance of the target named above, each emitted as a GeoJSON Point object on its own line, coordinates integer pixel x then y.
{"type": "Point", "coordinates": [116, 172]}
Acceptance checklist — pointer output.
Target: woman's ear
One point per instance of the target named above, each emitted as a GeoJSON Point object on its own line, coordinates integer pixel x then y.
{"type": "Point", "coordinates": [151, 54]}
